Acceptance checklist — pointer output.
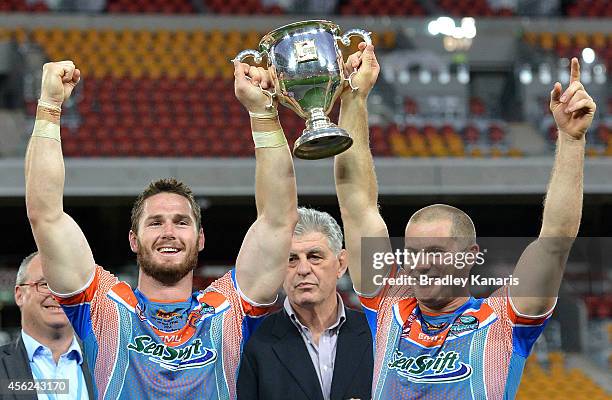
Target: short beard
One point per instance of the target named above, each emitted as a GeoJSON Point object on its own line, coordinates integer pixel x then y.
{"type": "Point", "coordinates": [167, 276]}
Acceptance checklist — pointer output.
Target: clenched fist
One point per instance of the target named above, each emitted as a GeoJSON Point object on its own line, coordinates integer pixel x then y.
{"type": "Point", "coordinates": [248, 84]}
{"type": "Point", "coordinates": [58, 81]}
{"type": "Point", "coordinates": [364, 62]}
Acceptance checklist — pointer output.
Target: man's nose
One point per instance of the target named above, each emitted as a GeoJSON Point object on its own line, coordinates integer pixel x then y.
{"type": "Point", "coordinates": [169, 231]}
{"type": "Point", "coordinates": [303, 267]}
{"type": "Point", "coordinates": [422, 268]}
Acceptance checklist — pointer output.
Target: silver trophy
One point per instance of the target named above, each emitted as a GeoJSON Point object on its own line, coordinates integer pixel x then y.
{"type": "Point", "coordinates": [307, 69]}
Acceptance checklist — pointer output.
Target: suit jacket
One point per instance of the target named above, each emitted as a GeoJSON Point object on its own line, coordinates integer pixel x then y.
{"type": "Point", "coordinates": [276, 363]}
{"type": "Point", "coordinates": [15, 366]}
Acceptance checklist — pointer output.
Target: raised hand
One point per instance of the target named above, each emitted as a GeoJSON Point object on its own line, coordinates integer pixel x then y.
{"type": "Point", "coordinates": [574, 109]}
{"type": "Point", "coordinates": [247, 82]}
{"type": "Point", "coordinates": [58, 81]}
{"type": "Point", "coordinates": [364, 61]}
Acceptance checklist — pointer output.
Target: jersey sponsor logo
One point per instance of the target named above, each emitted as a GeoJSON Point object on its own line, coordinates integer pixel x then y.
{"type": "Point", "coordinates": [193, 355]}
{"type": "Point", "coordinates": [464, 323]}
{"type": "Point", "coordinates": [445, 367]}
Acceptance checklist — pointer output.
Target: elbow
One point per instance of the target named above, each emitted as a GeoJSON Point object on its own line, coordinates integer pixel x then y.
{"type": "Point", "coordinates": [557, 245]}
{"type": "Point", "coordinates": [358, 212]}
{"type": "Point", "coordinates": [562, 232]}
{"type": "Point", "coordinates": [38, 214]}
{"type": "Point", "coordinates": [284, 221]}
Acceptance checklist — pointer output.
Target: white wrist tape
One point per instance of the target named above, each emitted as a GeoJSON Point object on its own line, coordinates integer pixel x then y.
{"type": "Point", "coordinates": [51, 106]}
{"type": "Point", "coordinates": [269, 139]}
{"type": "Point", "coordinates": [273, 113]}
{"type": "Point", "coordinates": [46, 129]}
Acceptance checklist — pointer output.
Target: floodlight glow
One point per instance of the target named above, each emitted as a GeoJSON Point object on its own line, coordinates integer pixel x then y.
{"type": "Point", "coordinates": [424, 76]}
{"type": "Point", "coordinates": [599, 74]}
{"type": "Point", "coordinates": [544, 74]}
{"type": "Point", "coordinates": [446, 25]}
{"type": "Point", "coordinates": [389, 75]}
{"type": "Point", "coordinates": [432, 28]}
{"type": "Point", "coordinates": [588, 55]}
{"type": "Point", "coordinates": [444, 76]}
{"type": "Point", "coordinates": [468, 25]}
{"type": "Point", "coordinates": [525, 75]}
{"type": "Point", "coordinates": [463, 74]}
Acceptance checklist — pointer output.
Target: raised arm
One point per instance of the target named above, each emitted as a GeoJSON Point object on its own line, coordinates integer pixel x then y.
{"type": "Point", "coordinates": [540, 268]}
{"type": "Point", "coordinates": [263, 257]}
{"type": "Point", "coordinates": [356, 184]}
{"type": "Point", "coordinates": [66, 257]}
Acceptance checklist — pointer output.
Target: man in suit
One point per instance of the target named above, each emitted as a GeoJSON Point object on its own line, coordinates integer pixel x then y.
{"type": "Point", "coordinates": [314, 348]}
{"type": "Point", "coordinates": [47, 347]}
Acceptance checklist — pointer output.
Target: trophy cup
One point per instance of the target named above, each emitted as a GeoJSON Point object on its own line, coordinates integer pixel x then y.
{"type": "Point", "coordinates": [307, 69]}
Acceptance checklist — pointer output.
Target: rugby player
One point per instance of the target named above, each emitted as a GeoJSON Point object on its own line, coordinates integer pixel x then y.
{"type": "Point", "coordinates": [441, 342]}
{"type": "Point", "coordinates": [160, 340]}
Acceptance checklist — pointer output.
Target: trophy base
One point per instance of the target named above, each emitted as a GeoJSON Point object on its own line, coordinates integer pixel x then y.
{"type": "Point", "coordinates": [322, 143]}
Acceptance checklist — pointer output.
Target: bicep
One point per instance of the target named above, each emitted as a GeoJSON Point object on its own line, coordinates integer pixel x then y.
{"type": "Point", "coordinates": [66, 257]}
{"type": "Point", "coordinates": [539, 272]}
{"type": "Point", "coordinates": [262, 261]}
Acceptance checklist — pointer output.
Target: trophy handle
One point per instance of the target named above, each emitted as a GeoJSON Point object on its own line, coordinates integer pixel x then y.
{"type": "Point", "coordinates": [346, 40]}
{"type": "Point", "coordinates": [244, 54]}
{"type": "Point", "coordinates": [257, 57]}
{"type": "Point", "coordinates": [364, 35]}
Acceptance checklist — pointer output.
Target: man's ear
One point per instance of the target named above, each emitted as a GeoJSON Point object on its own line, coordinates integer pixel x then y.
{"type": "Point", "coordinates": [201, 240]}
{"type": "Point", "coordinates": [133, 241]}
{"type": "Point", "coordinates": [19, 296]}
{"type": "Point", "coordinates": [343, 262]}
{"type": "Point", "coordinates": [475, 249]}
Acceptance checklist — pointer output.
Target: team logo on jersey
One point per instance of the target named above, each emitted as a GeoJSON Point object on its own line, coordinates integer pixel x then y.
{"type": "Point", "coordinates": [445, 367]}
{"type": "Point", "coordinates": [207, 309]}
{"type": "Point", "coordinates": [464, 323]}
{"type": "Point", "coordinates": [435, 327]}
{"type": "Point", "coordinates": [166, 315]}
{"type": "Point", "coordinates": [193, 355]}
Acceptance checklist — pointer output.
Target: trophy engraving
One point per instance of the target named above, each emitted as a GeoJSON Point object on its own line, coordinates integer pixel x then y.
{"type": "Point", "coordinates": [306, 50]}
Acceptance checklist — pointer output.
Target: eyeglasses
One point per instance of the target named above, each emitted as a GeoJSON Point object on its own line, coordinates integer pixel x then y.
{"type": "Point", "coordinates": [41, 286]}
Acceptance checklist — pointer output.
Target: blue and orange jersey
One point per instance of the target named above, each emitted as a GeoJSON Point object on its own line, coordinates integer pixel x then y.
{"type": "Point", "coordinates": [139, 348]}
{"type": "Point", "coordinates": [476, 352]}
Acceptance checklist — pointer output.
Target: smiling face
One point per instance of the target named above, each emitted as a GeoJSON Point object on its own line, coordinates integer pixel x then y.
{"type": "Point", "coordinates": [168, 240]}
{"type": "Point", "coordinates": [435, 241]}
{"type": "Point", "coordinates": [313, 270]}
{"type": "Point", "coordinates": [39, 311]}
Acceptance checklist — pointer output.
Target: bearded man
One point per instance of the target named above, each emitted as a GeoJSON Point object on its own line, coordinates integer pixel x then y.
{"type": "Point", "coordinates": [160, 340]}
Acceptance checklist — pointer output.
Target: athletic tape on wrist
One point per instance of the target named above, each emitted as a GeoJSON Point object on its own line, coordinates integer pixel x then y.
{"type": "Point", "coordinates": [46, 129]}
{"type": "Point", "coordinates": [273, 113]}
{"type": "Point", "coordinates": [51, 106]}
{"type": "Point", "coordinates": [269, 139]}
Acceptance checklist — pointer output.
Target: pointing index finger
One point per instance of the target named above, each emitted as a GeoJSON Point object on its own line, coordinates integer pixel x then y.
{"type": "Point", "coordinates": [575, 71]}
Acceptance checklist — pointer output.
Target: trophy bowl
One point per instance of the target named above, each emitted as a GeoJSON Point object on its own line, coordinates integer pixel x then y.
{"type": "Point", "coordinates": [307, 68]}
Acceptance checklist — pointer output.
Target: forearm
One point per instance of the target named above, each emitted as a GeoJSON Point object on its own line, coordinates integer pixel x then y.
{"type": "Point", "coordinates": [356, 184]}
{"type": "Point", "coordinates": [275, 187]}
{"type": "Point", "coordinates": [44, 171]}
{"type": "Point", "coordinates": [563, 203]}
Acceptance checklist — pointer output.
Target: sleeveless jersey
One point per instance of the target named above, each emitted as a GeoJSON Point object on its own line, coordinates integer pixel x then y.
{"type": "Point", "coordinates": [479, 353]}
{"type": "Point", "coordinates": [141, 349]}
